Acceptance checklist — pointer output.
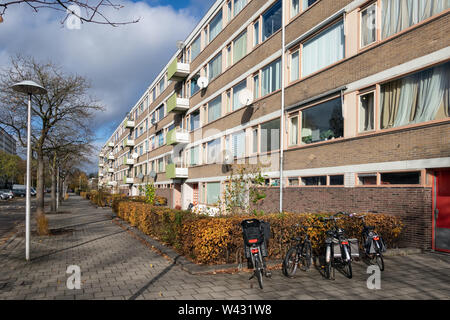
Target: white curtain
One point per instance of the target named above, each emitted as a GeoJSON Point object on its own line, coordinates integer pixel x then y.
{"type": "Point", "coordinates": [324, 49]}
{"type": "Point", "coordinates": [294, 7]}
{"type": "Point", "coordinates": [213, 151]}
{"type": "Point", "coordinates": [215, 67]}
{"type": "Point", "coordinates": [368, 25]}
{"type": "Point", "coordinates": [215, 26]}
{"type": "Point", "coordinates": [240, 47]}
{"type": "Point", "coordinates": [236, 92]}
{"type": "Point", "coordinates": [238, 6]}
{"type": "Point", "coordinates": [293, 131]}
{"type": "Point", "coordinates": [215, 109]}
{"type": "Point", "coordinates": [398, 15]}
{"type": "Point", "coordinates": [239, 144]}
{"type": "Point", "coordinates": [295, 66]}
{"type": "Point", "coordinates": [271, 77]}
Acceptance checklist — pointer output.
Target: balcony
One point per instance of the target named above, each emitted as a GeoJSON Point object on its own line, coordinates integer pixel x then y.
{"type": "Point", "coordinates": [111, 157]}
{"type": "Point", "coordinates": [176, 136]}
{"type": "Point", "coordinates": [110, 170]}
{"type": "Point", "coordinates": [100, 175]}
{"type": "Point", "coordinates": [101, 155]}
{"type": "Point", "coordinates": [129, 124]}
{"type": "Point", "coordinates": [175, 104]}
{"type": "Point", "coordinates": [127, 180]}
{"type": "Point", "coordinates": [111, 144]}
{"type": "Point", "coordinates": [101, 165]}
{"type": "Point", "coordinates": [172, 172]}
{"type": "Point", "coordinates": [177, 71]}
{"type": "Point", "coordinates": [129, 162]}
{"type": "Point", "coordinates": [128, 143]}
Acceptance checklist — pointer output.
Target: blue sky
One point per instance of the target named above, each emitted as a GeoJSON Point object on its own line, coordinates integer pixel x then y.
{"type": "Point", "coordinates": [120, 62]}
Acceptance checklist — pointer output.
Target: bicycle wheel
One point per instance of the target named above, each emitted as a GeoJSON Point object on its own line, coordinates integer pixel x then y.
{"type": "Point", "coordinates": [305, 257]}
{"type": "Point", "coordinates": [290, 262]}
{"type": "Point", "coordinates": [380, 261]}
{"type": "Point", "coordinates": [259, 271]}
{"type": "Point", "coordinates": [348, 269]}
{"type": "Point", "coordinates": [328, 264]}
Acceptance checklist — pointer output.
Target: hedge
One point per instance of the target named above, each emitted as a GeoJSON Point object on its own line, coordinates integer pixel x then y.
{"type": "Point", "coordinates": [218, 240]}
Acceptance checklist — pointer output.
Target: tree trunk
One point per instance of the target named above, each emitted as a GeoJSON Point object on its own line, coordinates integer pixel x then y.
{"type": "Point", "coordinates": [42, 222]}
{"type": "Point", "coordinates": [54, 183]}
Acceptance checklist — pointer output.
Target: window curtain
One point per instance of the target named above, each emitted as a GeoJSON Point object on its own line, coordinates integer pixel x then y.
{"type": "Point", "coordinates": [212, 192]}
{"type": "Point", "coordinates": [215, 109]}
{"type": "Point", "coordinates": [368, 25]}
{"type": "Point", "coordinates": [416, 98]}
{"type": "Point", "coordinates": [195, 120]}
{"type": "Point", "coordinates": [295, 66]}
{"type": "Point", "coordinates": [240, 47]}
{"type": "Point", "coordinates": [215, 67]}
{"type": "Point", "coordinates": [215, 26]}
{"type": "Point", "coordinates": [293, 132]}
{"type": "Point", "coordinates": [239, 144]}
{"type": "Point", "coordinates": [294, 7]}
{"type": "Point", "coordinates": [271, 77]}
{"type": "Point", "coordinates": [398, 15]}
{"type": "Point", "coordinates": [238, 6]}
{"type": "Point", "coordinates": [236, 92]}
{"type": "Point", "coordinates": [324, 49]}
{"type": "Point", "coordinates": [270, 135]}
{"type": "Point", "coordinates": [213, 151]}
{"type": "Point", "coordinates": [194, 155]}
{"type": "Point", "coordinates": [195, 49]}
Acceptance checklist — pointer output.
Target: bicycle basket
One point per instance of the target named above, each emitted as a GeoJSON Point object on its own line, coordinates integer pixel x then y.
{"type": "Point", "coordinates": [253, 232]}
{"type": "Point", "coordinates": [354, 247]}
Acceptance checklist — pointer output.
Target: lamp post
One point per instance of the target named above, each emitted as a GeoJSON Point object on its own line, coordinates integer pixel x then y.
{"type": "Point", "coordinates": [30, 88]}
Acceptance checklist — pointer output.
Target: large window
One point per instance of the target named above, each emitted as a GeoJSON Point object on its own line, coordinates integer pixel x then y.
{"type": "Point", "coordinates": [270, 136]}
{"type": "Point", "coordinates": [215, 109]}
{"type": "Point", "coordinates": [366, 112]}
{"type": "Point", "coordinates": [213, 149]}
{"type": "Point", "coordinates": [420, 97]}
{"type": "Point", "coordinates": [400, 178]}
{"type": "Point", "coordinates": [368, 25]}
{"type": "Point", "coordinates": [194, 153]}
{"type": "Point", "coordinates": [322, 122]}
{"type": "Point", "coordinates": [399, 15]}
{"type": "Point", "coordinates": [160, 111]}
{"type": "Point", "coordinates": [196, 48]}
{"type": "Point", "coordinates": [212, 192]}
{"type": "Point", "coordinates": [194, 120]}
{"type": "Point", "coordinates": [324, 49]}
{"type": "Point", "coordinates": [215, 26]}
{"type": "Point", "coordinates": [294, 66]}
{"type": "Point", "coordinates": [271, 20]}
{"type": "Point", "coordinates": [238, 6]}
{"type": "Point", "coordinates": [239, 144]}
{"type": "Point", "coordinates": [240, 47]}
{"type": "Point", "coordinates": [293, 131]}
{"type": "Point", "coordinates": [271, 78]}
{"type": "Point", "coordinates": [194, 85]}
{"type": "Point", "coordinates": [215, 66]}
{"type": "Point", "coordinates": [237, 90]}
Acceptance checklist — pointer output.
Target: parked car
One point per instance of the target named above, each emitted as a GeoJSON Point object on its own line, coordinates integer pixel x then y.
{"type": "Point", "coordinates": [19, 193]}
{"type": "Point", "coordinates": [33, 192]}
{"type": "Point", "coordinates": [6, 194]}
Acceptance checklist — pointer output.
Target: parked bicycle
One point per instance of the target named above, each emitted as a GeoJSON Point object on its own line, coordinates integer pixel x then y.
{"type": "Point", "coordinates": [256, 233]}
{"type": "Point", "coordinates": [300, 255]}
{"type": "Point", "coordinates": [338, 250]}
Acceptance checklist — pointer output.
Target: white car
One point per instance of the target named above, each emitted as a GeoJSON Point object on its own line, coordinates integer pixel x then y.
{"type": "Point", "coordinates": [6, 194]}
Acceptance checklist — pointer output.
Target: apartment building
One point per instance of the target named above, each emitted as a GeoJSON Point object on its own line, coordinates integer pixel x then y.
{"type": "Point", "coordinates": [7, 142]}
{"type": "Point", "coordinates": [345, 102]}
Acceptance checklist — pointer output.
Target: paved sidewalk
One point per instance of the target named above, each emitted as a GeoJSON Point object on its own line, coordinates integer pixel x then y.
{"type": "Point", "coordinates": [115, 265]}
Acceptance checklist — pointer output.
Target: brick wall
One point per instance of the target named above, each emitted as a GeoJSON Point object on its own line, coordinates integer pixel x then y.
{"type": "Point", "coordinates": [412, 204]}
{"type": "Point", "coordinates": [166, 193]}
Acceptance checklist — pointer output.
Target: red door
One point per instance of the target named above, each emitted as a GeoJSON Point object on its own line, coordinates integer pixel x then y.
{"type": "Point", "coordinates": [195, 193]}
{"type": "Point", "coordinates": [442, 211]}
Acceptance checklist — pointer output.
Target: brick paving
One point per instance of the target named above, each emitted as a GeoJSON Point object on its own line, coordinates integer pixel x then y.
{"type": "Point", "coordinates": [115, 265]}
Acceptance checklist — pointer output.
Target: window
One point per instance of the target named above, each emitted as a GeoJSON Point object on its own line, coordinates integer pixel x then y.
{"type": "Point", "coordinates": [195, 48]}
{"type": "Point", "coordinates": [194, 120]}
{"type": "Point", "coordinates": [295, 7]}
{"type": "Point", "coordinates": [256, 87]}
{"type": "Point", "coordinates": [271, 20]}
{"type": "Point", "coordinates": [194, 156]}
{"type": "Point", "coordinates": [160, 138]}
{"type": "Point", "coordinates": [308, 3]}
{"type": "Point", "coordinates": [255, 140]}
{"type": "Point", "coordinates": [194, 86]}
{"type": "Point", "coordinates": [161, 165]}
{"type": "Point", "coordinates": [400, 178]}
{"type": "Point", "coordinates": [270, 136]}
{"type": "Point", "coordinates": [237, 90]}
{"type": "Point", "coordinates": [229, 10]}
{"type": "Point", "coordinates": [212, 192]}
{"type": "Point", "coordinates": [215, 67]}
{"type": "Point", "coordinates": [293, 182]}
{"type": "Point", "coordinates": [229, 56]}
{"type": "Point", "coordinates": [293, 131]}
{"type": "Point", "coordinates": [366, 112]}
{"type": "Point", "coordinates": [271, 78]}
{"type": "Point", "coordinates": [420, 97]}
{"type": "Point", "coordinates": [367, 179]}
{"type": "Point", "coordinates": [160, 111]}
{"type": "Point", "coordinates": [369, 25]}
{"type": "Point", "coordinates": [399, 15]}
{"type": "Point", "coordinates": [162, 84]}
{"type": "Point", "coordinates": [314, 181]}
{"type": "Point", "coordinates": [324, 49]}
{"type": "Point", "coordinates": [322, 122]}
{"type": "Point", "coordinates": [294, 65]}
{"type": "Point", "coordinates": [215, 26]}
{"type": "Point", "coordinates": [238, 6]}
{"type": "Point", "coordinates": [240, 47]}
{"type": "Point", "coordinates": [337, 180]}
{"type": "Point", "coordinates": [239, 144]}
{"type": "Point", "coordinates": [213, 151]}
{"type": "Point", "coordinates": [256, 33]}
{"type": "Point", "coordinates": [141, 150]}
{"type": "Point", "coordinates": [215, 109]}
{"type": "Point", "coordinates": [154, 94]}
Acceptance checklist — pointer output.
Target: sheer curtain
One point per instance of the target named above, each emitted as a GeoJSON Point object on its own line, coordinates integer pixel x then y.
{"type": "Point", "coordinates": [215, 67]}
{"type": "Point", "coordinates": [215, 109]}
{"type": "Point", "coordinates": [294, 66]}
{"type": "Point", "coordinates": [398, 15]}
{"type": "Point", "coordinates": [416, 98]}
{"type": "Point", "coordinates": [239, 144]}
{"type": "Point", "coordinates": [271, 78]}
{"type": "Point", "coordinates": [215, 26]}
{"type": "Point", "coordinates": [240, 47]}
{"type": "Point", "coordinates": [324, 49]}
{"type": "Point", "coordinates": [236, 92]}
{"type": "Point", "coordinates": [238, 6]}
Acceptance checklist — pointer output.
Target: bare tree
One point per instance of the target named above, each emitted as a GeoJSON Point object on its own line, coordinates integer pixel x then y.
{"type": "Point", "coordinates": [65, 105]}
{"type": "Point", "coordinates": [94, 10]}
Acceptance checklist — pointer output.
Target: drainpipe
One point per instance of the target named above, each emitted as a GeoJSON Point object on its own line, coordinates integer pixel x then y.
{"type": "Point", "coordinates": [283, 67]}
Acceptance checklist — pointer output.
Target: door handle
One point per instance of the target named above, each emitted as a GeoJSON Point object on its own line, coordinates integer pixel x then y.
{"type": "Point", "coordinates": [436, 213]}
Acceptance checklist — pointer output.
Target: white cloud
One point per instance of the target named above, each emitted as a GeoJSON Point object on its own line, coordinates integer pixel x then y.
{"type": "Point", "coordinates": [121, 62]}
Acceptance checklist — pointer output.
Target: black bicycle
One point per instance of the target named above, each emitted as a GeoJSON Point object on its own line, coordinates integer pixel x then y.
{"type": "Point", "coordinates": [255, 234]}
{"type": "Point", "coordinates": [338, 252]}
{"type": "Point", "coordinates": [373, 244]}
{"type": "Point", "coordinates": [300, 255]}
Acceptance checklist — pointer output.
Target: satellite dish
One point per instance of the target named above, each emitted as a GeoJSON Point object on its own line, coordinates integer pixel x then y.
{"type": "Point", "coordinates": [135, 156]}
{"type": "Point", "coordinates": [246, 97]}
{"type": "Point", "coordinates": [202, 82]}
{"type": "Point", "coordinates": [152, 174]}
{"type": "Point", "coordinates": [153, 120]}
{"type": "Point", "coordinates": [140, 175]}
{"type": "Point", "coordinates": [180, 44]}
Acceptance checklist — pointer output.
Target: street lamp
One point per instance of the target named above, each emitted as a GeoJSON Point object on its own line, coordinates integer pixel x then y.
{"type": "Point", "coordinates": [30, 88]}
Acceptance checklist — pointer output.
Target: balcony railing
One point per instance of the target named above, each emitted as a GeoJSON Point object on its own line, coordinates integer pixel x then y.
{"type": "Point", "coordinates": [128, 143]}
{"type": "Point", "coordinates": [111, 144]}
{"type": "Point", "coordinates": [172, 172]}
{"type": "Point", "coordinates": [176, 136]}
{"type": "Point", "coordinates": [111, 157]}
{"type": "Point", "coordinates": [127, 180]}
{"type": "Point", "coordinates": [175, 104]}
{"type": "Point", "coordinates": [129, 161]}
{"type": "Point", "coordinates": [129, 124]}
{"type": "Point", "coordinates": [110, 170]}
{"type": "Point", "coordinates": [177, 71]}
